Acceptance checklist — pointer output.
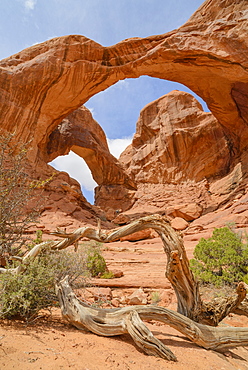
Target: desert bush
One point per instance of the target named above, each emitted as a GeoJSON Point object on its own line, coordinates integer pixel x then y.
{"type": "Point", "coordinates": [155, 298]}
{"type": "Point", "coordinates": [25, 294]}
{"type": "Point", "coordinates": [221, 259]}
{"type": "Point", "coordinates": [107, 275]}
{"type": "Point", "coordinates": [95, 262]}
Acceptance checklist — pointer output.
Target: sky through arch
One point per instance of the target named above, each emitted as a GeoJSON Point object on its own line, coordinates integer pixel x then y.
{"type": "Point", "coordinates": [27, 22]}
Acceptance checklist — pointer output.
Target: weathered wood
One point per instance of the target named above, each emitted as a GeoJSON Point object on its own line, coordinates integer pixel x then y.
{"type": "Point", "coordinates": [144, 338]}
{"type": "Point", "coordinates": [111, 322]}
{"type": "Point", "coordinates": [177, 271]}
{"type": "Point", "coordinates": [192, 311]}
{"type": "Point", "coordinates": [189, 302]}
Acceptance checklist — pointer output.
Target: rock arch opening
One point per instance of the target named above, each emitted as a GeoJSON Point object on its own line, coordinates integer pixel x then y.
{"type": "Point", "coordinates": [77, 168]}
{"type": "Point", "coordinates": [117, 110]}
{"type": "Point", "coordinates": [45, 83]}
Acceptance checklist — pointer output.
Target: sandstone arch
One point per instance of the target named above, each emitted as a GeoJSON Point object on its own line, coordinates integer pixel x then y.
{"type": "Point", "coordinates": [43, 84]}
{"type": "Point", "coordinates": [80, 133]}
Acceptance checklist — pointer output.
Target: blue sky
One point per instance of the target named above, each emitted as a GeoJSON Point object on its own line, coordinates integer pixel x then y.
{"type": "Point", "coordinates": [26, 22]}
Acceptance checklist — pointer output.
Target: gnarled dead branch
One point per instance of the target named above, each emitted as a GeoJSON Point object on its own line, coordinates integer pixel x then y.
{"type": "Point", "coordinates": [111, 322]}
{"type": "Point", "coordinates": [189, 302]}
{"type": "Point", "coordinates": [191, 313]}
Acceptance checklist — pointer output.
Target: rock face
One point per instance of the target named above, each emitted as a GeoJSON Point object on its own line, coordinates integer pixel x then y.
{"type": "Point", "coordinates": [181, 159]}
{"type": "Point", "coordinates": [43, 84]}
{"type": "Point", "coordinates": [80, 133]}
{"type": "Point", "coordinates": [176, 140]}
{"type": "Point", "coordinates": [188, 212]}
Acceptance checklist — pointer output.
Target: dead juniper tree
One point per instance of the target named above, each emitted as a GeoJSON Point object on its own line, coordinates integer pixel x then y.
{"type": "Point", "coordinates": [196, 319]}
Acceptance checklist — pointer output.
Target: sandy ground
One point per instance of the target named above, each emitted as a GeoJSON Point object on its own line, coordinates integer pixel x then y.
{"type": "Point", "coordinates": [51, 343]}
{"type": "Point", "coordinates": [54, 344]}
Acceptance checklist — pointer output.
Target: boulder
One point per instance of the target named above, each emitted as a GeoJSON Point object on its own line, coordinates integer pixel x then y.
{"type": "Point", "coordinates": [115, 302]}
{"type": "Point", "coordinates": [110, 214]}
{"type": "Point", "coordinates": [122, 219]}
{"type": "Point", "coordinates": [138, 297]}
{"type": "Point", "coordinates": [188, 212]}
{"type": "Point", "coordinates": [100, 293]}
{"type": "Point", "coordinates": [117, 273]}
{"type": "Point", "coordinates": [139, 235]}
{"type": "Point", "coordinates": [179, 223]}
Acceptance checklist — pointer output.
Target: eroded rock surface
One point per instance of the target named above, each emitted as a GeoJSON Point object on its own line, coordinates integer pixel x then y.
{"type": "Point", "coordinates": [176, 140]}
{"type": "Point", "coordinates": [43, 84]}
{"type": "Point", "coordinates": [80, 133]}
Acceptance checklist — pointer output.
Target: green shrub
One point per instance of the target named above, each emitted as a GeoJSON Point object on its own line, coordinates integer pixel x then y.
{"type": "Point", "coordinates": [155, 298]}
{"type": "Point", "coordinates": [107, 275]}
{"type": "Point", "coordinates": [221, 259]}
{"type": "Point", "coordinates": [25, 294]}
{"type": "Point", "coordinates": [95, 262]}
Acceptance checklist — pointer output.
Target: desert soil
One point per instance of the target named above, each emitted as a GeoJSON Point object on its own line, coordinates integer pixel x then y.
{"type": "Point", "coordinates": [52, 343]}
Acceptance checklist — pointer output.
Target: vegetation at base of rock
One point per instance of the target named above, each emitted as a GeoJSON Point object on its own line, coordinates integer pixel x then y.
{"type": "Point", "coordinates": [221, 259]}
{"type": "Point", "coordinates": [107, 275]}
{"type": "Point", "coordinates": [23, 295]}
{"type": "Point", "coordinates": [155, 297]}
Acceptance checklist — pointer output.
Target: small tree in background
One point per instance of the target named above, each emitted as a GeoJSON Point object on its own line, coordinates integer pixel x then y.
{"type": "Point", "coordinates": [16, 191]}
{"type": "Point", "coordinates": [221, 259]}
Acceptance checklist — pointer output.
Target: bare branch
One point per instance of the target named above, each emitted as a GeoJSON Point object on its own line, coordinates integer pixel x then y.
{"type": "Point", "coordinates": [178, 271]}
{"type": "Point", "coordinates": [118, 321]}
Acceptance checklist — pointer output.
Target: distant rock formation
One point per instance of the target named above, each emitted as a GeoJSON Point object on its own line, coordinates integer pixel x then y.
{"type": "Point", "coordinates": [43, 84]}
{"type": "Point", "coordinates": [182, 161]}
{"type": "Point", "coordinates": [176, 140]}
{"type": "Point", "coordinates": [80, 133]}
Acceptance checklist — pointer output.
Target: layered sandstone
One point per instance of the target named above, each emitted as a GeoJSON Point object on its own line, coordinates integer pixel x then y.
{"type": "Point", "coordinates": [80, 133]}
{"type": "Point", "coordinates": [42, 85]}
{"type": "Point", "coordinates": [176, 140]}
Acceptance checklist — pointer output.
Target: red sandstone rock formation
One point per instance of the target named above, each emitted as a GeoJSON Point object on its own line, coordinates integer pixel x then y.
{"type": "Point", "coordinates": [80, 133]}
{"type": "Point", "coordinates": [176, 140]}
{"type": "Point", "coordinates": [44, 83]}
{"type": "Point", "coordinates": [178, 153]}
{"type": "Point", "coordinates": [41, 85]}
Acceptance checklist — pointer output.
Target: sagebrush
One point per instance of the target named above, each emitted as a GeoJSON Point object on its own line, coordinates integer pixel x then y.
{"type": "Point", "coordinates": [25, 294]}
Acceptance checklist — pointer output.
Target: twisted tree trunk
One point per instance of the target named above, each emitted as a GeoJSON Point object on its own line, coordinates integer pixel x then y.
{"type": "Point", "coordinates": [111, 322]}
{"type": "Point", "coordinates": [189, 302]}
{"type": "Point", "coordinates": [191, 313]}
